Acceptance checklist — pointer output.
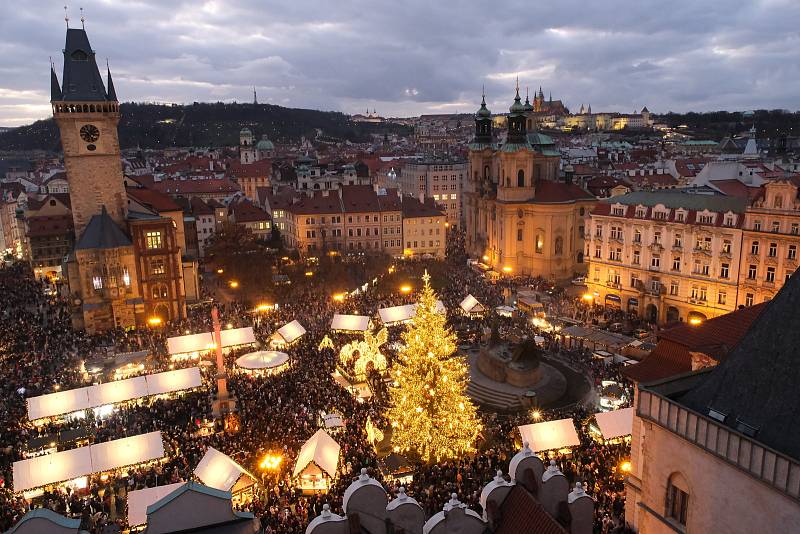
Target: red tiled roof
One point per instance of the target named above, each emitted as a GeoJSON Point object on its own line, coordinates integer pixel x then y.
{"type": "Point", "coordinates": [189, 187]}
{"type": "Point", "coordinates": [318, 204]}
{"type": "Point", "coordinates": [654, 179]}
{"type": "Point", "coordinates": [246, 211]}
{"type": "Point", "coordinates": [256, 169]}
{"type": "Point", "coordinates": [715, 337]}
{"type": "Point", "coordinates": [735, 188]}
{"type": "Point", "coordinates": [153, 199]}
{"type": "Point", "coordinates": [412, 207]}
{"type": "Point", "coordinates": [522, 514]}
{"type": "Point", "coordinates": [390, 201]}
{"type": "Point", "coordinates": [199, 207]}
{"type": "Point", "coordinates": [49, 225]}
{"type": "Point", "coordinates": [282, 200]}
{"type": "Point", "coordinates": [682, 166]}
{"type": "Point", "coordinates": [554, 192]}
{"type": "Point", "coordinates": [359, 198]}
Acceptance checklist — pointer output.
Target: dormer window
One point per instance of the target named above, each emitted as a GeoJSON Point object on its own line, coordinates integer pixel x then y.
{"type": "Point", "coordinates": [730, 219]}
{"type": "Point", "coordinates": [778, 201]}
{"type": "Point", "coordinates": [640, 212]}
{"type": "Point", "coordinates": [618, 211]}
{"type": "Point", "coordinates": [706, 218]}
{"type": "Point", "coordinates": [680, 216]}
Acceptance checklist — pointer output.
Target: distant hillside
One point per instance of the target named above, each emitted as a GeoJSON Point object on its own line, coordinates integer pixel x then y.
{"type": "Point", "coordinates": [718, 124]}
{"type": "Point", "coordinates": [163, 126]}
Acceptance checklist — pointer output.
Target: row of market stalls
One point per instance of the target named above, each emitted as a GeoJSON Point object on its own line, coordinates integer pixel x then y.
{"type": "Point", "coordinates": [192, 346]}
{"type": "Point", "coordinates": [97, 396]}
{"type": "Point", "coordinates": [73, 466]}
{"type": "Point", "coordinates": [561, 435]}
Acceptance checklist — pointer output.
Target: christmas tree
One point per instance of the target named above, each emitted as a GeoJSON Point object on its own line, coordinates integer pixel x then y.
{"type": "Point", "coordinates": [430, 412]}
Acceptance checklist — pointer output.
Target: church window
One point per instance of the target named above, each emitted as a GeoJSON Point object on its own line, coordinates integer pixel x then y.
{"type": "Point", "coordinates": [79, 55]}
{"type": "Point", "coordinates": [153, 239]}
{"type": "Point", "coordinates": [539, 244]}
{"type": "Point", "coordinates": [521, 178]}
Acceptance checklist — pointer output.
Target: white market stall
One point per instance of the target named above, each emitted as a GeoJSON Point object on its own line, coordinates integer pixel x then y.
{"type": "Point", "coordinates": [616, 423]}
{"type": "Point", "coordinates": [397, 314]}
{"type": "Point", "coordinates": [76, 463]}
{"type": "Point", "coordinates": [139, 500]}
{"type": "Point", "coordinates": [471, 306]}
{"type": "Point", "coordinates": [287, 334]}
{"type": "Point", "coordinates": [263, 362]}
{"type": "Point", "coordinates": [350, 323]}
{"type": "Point", "coordinates": [236, 337]}
{"type": "Point", "coordinates": [550, 435]}
{"type": "Point", "coordinates": [193, 345]}
{"type": "Point", "coordinates": [333, 420]}
{"type": "Point", "coordinates": [95, 396]}
{"type": "Point", "coordinates": [218, 470]}
{"type": "Point", "coordinates": [317, 462]}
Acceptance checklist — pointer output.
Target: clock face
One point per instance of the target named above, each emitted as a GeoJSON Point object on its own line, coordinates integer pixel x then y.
{"type": "Point", "coordinates": [89, 133]}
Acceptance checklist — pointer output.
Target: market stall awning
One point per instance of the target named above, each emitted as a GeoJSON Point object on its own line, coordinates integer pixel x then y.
{"type": "Point", "coordinates": [397, 314]}
{"type": "Point", "coordinates": [113, 392]}
{"type": "Point", "coordinates": [262, 359]}
{"type": "Point", "coordinates": [61, 402]}
{"type": "Point", "coordinates": [237, 336]}
{"type": "Point", "coordinates": [74, 463]}
{"type": "Point", "coordinates": [550, 435]}
{"type": "Point", "coordinates": [117, 391]}
{"type": "Point", "coordinates": [172, 381]}
{"type": "Point", "coordinates": [350, 323]}
{"type": "Point", "coordinates": [320, 449]}
{"type": "Point", "coordinates": [616, 423]}
{"type": "Point", "coordinates": [291, 331]}
{"type": "Point", "coordinates": [139, 500]}
{"type": "Point", "coordinates": [218, 470]}
{"type": "Point", "coordinates": [471, 305]}
{"type": "Point", "coordinates": [190, 343]}
{"type": "Point", "coordinates": [126, 451]}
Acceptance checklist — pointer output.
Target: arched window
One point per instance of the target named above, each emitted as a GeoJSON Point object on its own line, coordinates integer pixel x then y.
{"type": "Point", "coordinates": [559, 246]}
{"type": "Point", "coordinates": [677, 504]}
{"type": "Point", "coordinates": [520, 178]}
{"type": "Point", "coordinates": [79, 55]}
{"type": "Point", "coordinates": [539, 243]}
{"type": "Point", "coordinates": [486, 171]}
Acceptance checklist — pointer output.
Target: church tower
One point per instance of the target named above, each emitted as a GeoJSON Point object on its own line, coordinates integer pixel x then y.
{"type": "Point", "coordinates": [87, 115]}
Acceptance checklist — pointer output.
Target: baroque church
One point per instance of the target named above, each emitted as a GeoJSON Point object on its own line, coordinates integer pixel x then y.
{"type": "Point", "coordinates": [522, 218]}
{"type": "Point", "coordinates": [126, 268]}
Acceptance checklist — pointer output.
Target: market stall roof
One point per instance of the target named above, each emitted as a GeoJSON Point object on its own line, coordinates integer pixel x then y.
{"type": "Point", "coordinates": [262, 359]}
{"type": "Point", "coordinates": [74, 463]}
{"type": "Point", "coordinates": [218, 470]}
{"type": "Point", "coordinates": [171, 381]}
{"type": "Point", "coordinates": [320, 449]}
{"type": "Point", "coordinates": [550, 435]}
{"type": "Point", "coordinates": [126, 451]}
{"type": "Point", "coordinates": [112, 392]}
{"type": "Point", "coordinates": [139, 500]}
{"type": "Point", "coordinates": [333, 420]}
{"type": "Point", "coordinates": [237, 336]}
{"type": "Point", "coordinates": [117, 391]}
{"type": "Point", "coordinates": [611, 340]}
{"type": "Point", "coordinates": [616, 423]}
{"type": "Point", "coordinates": [350, 323]}
{"type": "Point", "coordinates": [58, 403]}
{"type": "Point", "coordinates": [471, 305]}
{"type": "Point", "coordinates": [397, 314]}
{"type": "Point", "coordinates": [205, 341]}
{"type": "Point", "coordinates": [190, 343]}
{"type": "Point", "coordinates": [291, 331]}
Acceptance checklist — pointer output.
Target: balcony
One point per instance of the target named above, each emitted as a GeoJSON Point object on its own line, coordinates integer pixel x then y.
{"type": "Point", "coordinates": [702, 250]}
{"type": "Point", "coordinates": [724, 254]}
{"type": "Point", "coordinates": [656, 247]}
{"type": "Point", "coordinates": [697, 300]}
{"type": "Point", "coordinates": [677, 247]}
{"type": "Point", "coordinates": [654, 268]}
{"type": "Point", "coordinates": [613, 285]}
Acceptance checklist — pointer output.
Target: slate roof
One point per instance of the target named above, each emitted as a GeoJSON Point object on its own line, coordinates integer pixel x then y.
{"type": "Point", "coordinates": [522, 514]}
{"type": "Point", "coordinates": [153, 199]}
{"type": "Point", "coordinates": [81, 80]}
{"type": "Point", "coordinates": [756, 385]}
{"type": "Point", "coordinates": [49, 225]}
{"type": "Point", "coordinates": [359, 198]}
{"type": "Point", "coordinates": [102, 232]}
{"type": "Point", "coordinates": [412, 207]}
{"type": "Point", "coordinates": [548, 192]}
{"type": "Point", "coordinates": [49, 515]}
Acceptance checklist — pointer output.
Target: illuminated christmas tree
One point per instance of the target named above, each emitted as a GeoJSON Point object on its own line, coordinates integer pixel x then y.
{"type": "Point", "coordinates": [430, 412]}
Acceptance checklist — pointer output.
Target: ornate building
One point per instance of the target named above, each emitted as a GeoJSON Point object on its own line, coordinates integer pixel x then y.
{"type": "Point", "coordinates": [126, 266]}
{"type": "Point", "coordinates": [520, 218]}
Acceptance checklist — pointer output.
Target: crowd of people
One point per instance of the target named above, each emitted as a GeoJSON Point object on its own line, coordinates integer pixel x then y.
{"type": "Point", "coordinates": [276, 414]}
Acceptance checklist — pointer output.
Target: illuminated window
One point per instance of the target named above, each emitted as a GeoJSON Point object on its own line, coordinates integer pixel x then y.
{"type": "Point", "coordinates": [126, 277]}
{"type": "Point", "coordinates": [97, 282]}
{"type": "Point", "coordinates": [157, 267]}
{"type": "Point", "coordinates": [153, 239]}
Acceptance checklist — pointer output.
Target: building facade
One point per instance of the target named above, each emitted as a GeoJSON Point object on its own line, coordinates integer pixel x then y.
{"type": "Point", "coordinates": [424, 228]}
{"type": "Point", "coordinates": [666, 256]}
{"type": "Point", "coordinates": [440, 179]}
{"type": "Point", "coordinates": [520, 219]}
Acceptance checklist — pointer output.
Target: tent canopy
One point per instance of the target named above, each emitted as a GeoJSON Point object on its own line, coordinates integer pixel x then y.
{"type": "Point", "coordinates": [291, 331]}
{"type": "Point", "coordinates": [397, 314]}
{"type": "Point", "coordinates": [74, 463]}
{"type": "Point", "coordinates": [262, 359]}
{"type": "Point", "coordinates": [218, 470]}
{"type": "Point", "coordinates": [550, 435]}
{"type": "Point", "coordinates": [112, 392]}
{"type": "Point", "coordinates": [205, 341]}
{"type": "Point", "coordinates": [350, 323]}
{"type": "Point", "coordinates": [471, 305]}
{"type": "Point", "coordinates": [139, 500]}
{"type": "Point", "coordinates": [322, 450]}
{"type": "Point", "coordinates": [237, 336]}
{"type": "Point", "coordinates": [616, 423]}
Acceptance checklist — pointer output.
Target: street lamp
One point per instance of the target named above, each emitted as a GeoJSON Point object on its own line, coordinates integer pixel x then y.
{"type": "Point", "coordinates": [588, 297]}
{"type": "Point", "coordinates": [338, 297]}
{"type": "Point", "coordinates": [625, 467]}
{"type": "Point", "coordinates": [220, 270]}
{"type": "Point", "coordinates": [271, 462]}
{"type": "Point", "coordinates": [233, 284]}
{"type": "Point", "coordinates": [507, 269]}
{"type": "Point", "coordinates": [405, 289]}
{"type": "Point", "coordinates": [154, 321]}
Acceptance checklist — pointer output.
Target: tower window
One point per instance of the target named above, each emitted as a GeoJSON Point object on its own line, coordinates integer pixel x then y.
{"type": "Point", "coordinates": [521, 178]}
{"type": "Point", "coordinates": [79, 55]}
{"type": "Point", "coordinates": [153, 240]}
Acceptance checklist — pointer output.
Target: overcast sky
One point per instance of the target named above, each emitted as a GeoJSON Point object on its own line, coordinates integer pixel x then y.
{"type": "Point", "coordinates": [409, 57]}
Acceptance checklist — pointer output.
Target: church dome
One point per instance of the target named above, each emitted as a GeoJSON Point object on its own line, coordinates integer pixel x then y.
{"type": "Point", "coordinates": [528, 106]}
{"type": "Point", "coordinates": [483, 111]}
{"type": "Point", "coordinates": [517, 106]}
{"type": "Point", "coordinates": [245, 131]}
{"type": "Point", "coordinates": [265, 144]}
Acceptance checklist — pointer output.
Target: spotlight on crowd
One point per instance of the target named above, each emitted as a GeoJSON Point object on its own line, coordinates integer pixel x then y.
{"type": "Point", "coordinates": [309, 273]}
{"type": "Point", "coordinates": [588, 297]}
{"type": "Point", "coordinates": [485, 257]}
{"type": "Point", "coordinates": [271, 462]}
{"type": "Point", "coordinates": [507, 269]}
{"type": "Point", "coordinates": [154, 321]}
{"type": "Point", "coordinates": [264, 307]}
{"type": "Point", "coordinates": [234, 284]}
{"type": "Point", "coordinates": [625, 467]}
{"type": "Point", "coordinates": [405, 289]}
{"type": "Point", "coordinates": [338, 297]}
{"type": "Point", "coordinates": [694, 321]}
{"type": "Point", "coordinates": [537, 415]}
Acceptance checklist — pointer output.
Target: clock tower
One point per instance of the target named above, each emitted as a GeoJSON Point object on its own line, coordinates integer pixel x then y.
{"type": "Point", "coordinates": [87, 114]}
